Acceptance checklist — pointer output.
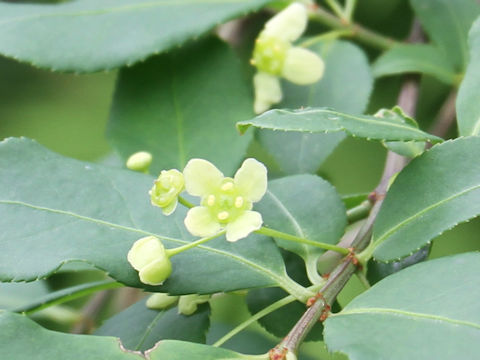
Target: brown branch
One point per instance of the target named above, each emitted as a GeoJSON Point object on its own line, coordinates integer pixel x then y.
{"type": "Point", "coordinates": [348, 265]}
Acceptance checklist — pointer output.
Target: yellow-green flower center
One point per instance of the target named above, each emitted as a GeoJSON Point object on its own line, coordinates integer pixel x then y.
{"type": "Point", "coordinates": [226, 203]}
{"type": "Point", "coordinates": [269, 54]}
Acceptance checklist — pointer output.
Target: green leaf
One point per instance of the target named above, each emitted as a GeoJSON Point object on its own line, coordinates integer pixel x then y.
{"type": "Point", "coordinates": [21, 338]}
{"type": "Point", "coordinates": [468, 107]}
{"type": "Point", "coordinates": [345, 85]}
{"type": "Point", "coordinates": [415, 58]}
{"type": "Point", "coordinates": [179, 109]}
{"type": "Point", "coordinates": [305, 206]}
{"type": "Point", "coordinates": [428, 311]}
{"type": "Point", "coordinates": [180, 350]}
{"type": "Point", "coordinates": [55, 210]}
{"type": "Point", "coordinates": [379, 270]}
{"type": "Point", "coordinates": [14, 295]}
{"type": "Point", "coordinates": [64, 295]}
{"type": "Point", "coordinates": [435, 192]}
{"type": "Point", "coordinates": [447, 23]}
{"type": "Point", "coordinates": [91, 35]}
{"type": "Point", "coordinates": [325, 120]}
{"type": "Point", "coordinates": [140, 328]}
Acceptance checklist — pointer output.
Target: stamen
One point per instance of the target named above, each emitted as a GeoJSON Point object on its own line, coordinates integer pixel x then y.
{"type": "Point", "coordinates": [227, 186]}
{"type": "Point", "coordinates": [223, 215]}
{"type": "Point", "coordinates": [211, 200]}
{"type": "Point", "coordinates": [239, 202]}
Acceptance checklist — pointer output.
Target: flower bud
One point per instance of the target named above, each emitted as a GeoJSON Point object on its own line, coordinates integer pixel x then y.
{"type": "Point", "coordinates": [160, 301]}
{"type": "Point", "coordinates": [140, 161]}
{"type": "Point", "coordinates": [166, 189]}
{"type": "Point", "coordinates": [188, 304]}
{"type": "Point", "coordinates": [149, 258]}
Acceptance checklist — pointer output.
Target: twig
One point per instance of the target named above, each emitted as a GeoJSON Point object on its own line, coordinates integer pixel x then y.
{"type": "Point", "coordinates": [407, 100]}
{"type": "Point", "coordinates": [360, 33]}
{"type": "Point", "coordinates": [446, 116]}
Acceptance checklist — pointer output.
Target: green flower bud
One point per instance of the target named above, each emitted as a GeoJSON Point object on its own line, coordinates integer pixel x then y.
{"type": "Point", "coordinates": [149, 258]}
{"type": "Point", "coordinates": [161, 301]}
{"type": "Point", "coordinates": [188, 304]}
{"type": "Point", "coordinates": [140, 161]}
{"type": "Point", "coordinates": [166, 189]}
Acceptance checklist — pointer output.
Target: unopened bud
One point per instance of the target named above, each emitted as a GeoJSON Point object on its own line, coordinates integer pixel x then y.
{"type": "Point", "coordinates": [188, 304]}
{"type": "Point", "coordinates": [149, 258]}
{"type": "Point", "coordinates": [160, 301]}
{"type": "Point", "coordinates": [140, 161]}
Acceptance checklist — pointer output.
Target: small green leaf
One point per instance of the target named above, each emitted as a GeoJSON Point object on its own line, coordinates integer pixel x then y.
{"type": "Point", "coordinates": [428, 197]}
{"type": "Point", "coordinates": [55, 210]}
{"type": "Point", "coordinates": [180, 350]}
{"type": "Point", "coordinates": [21, 339]}
{"type": "Point", "coordinates": [428, 311]}
{"type": "Point", "coordinates": [305, 206]}
{"type": "Point", "coordinates": [345, 85]}
{"type": "Point", "coordinates": [447, 23]}
{"type": "Point", "coordinates": [325, 120]}
{"type": "Point", "coordinates": [468, 106]}
{"type": "Point", "coordinates": [130, 30]}
{"type": "Point", "coordinates": [415, 58]}
{"type": "Point", "coordinates": [178, 109]}
{"type": "Point", "coordinates": [140, 328]}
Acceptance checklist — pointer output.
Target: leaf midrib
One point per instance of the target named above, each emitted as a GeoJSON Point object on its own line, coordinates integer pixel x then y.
{"type": "Point", "coordinates": [124, 8]}
{"type": "Point", "coordinates": [375, 121]}
{"type": "Point", "coordinates": [382, 238]}
{"type": "Point", "coordinates": [405, 313]}
{"type": "Point", "coordinates": [282, 281]}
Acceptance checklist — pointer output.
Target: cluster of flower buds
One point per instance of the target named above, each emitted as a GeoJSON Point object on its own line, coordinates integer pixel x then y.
{"type": "Point", "coordinates": [225, 204]}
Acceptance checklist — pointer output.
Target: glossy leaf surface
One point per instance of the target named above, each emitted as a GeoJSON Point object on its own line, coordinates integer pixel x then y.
{"type": "Point", "coordinates": [427, 311]}
{"type": "Point", "coordinates": [21, 339]}
{"type": "Point", "coordinates": [179, 109]}
{"type": "Point", "coordinates": [305, 206]}
{"type": "Point", "coordinates": [91, 35]}
{"type": "Point", "coordinates": [447, 23]}
{"type": "Point", "coordinates": [140, 328]}
{"type": "Point", "coordinates": [55, 210]}
{"type": "Point", "coordinates": [468, 106]}
{"type": "Point", "coordinates": [429, 197]}
{"type": "Point", "coordinates": [325, 120]}
{"type": "Point", "coordinates": [425, 59]}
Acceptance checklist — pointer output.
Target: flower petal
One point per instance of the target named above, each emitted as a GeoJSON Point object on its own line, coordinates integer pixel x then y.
{"type": "Point", "coordinates": [201, 177]}
{"type": "Point", "coordinates": [156, 272]}
{"type": "Point", "coordinates": [144, 251]}
{"type": "Point", "coordinates": [267, 91]}
{"type": "Point", "coordinates": [251, 180]}
{"type": "Point", "coordinates": [242, 226]}
{"type": "Point", "coordinates": [289, 23]}
{"type": "Point", "coordinates": [199, 222]}
{"type": "Point", "coordinates": [170, 208]}
{"type": "Point", "coordinates": [302, 66]}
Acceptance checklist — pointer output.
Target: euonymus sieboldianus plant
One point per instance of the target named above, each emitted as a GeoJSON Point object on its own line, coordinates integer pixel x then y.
{"type": "Point", "coordinates": [227, 203]}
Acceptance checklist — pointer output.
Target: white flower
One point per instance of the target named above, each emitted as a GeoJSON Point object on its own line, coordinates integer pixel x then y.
{"type": "Point", "coordinates": [275, 57]}
{"type": "Point", "coordinates": [226, 203]}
